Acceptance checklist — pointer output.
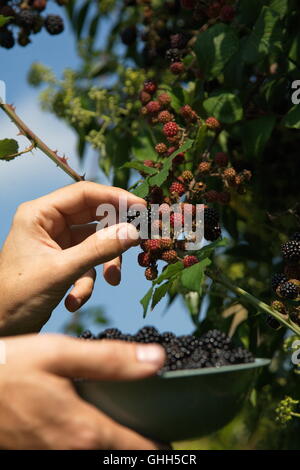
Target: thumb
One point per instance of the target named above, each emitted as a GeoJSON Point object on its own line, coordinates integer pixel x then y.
{"type": "Point", "coordinates": [105, 359]}
{"type": "Point", "coordinates": [102, 246]}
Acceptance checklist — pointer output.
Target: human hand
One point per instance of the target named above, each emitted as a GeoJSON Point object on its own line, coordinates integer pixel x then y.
{"type": "Point", "coordinates": [51, 246]}
{"type": "Point", "coordinates": [39, 407]}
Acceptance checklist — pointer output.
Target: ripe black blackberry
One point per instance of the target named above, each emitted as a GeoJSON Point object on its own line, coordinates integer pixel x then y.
{"type": "Point", "coordinates": [147, 334]}
{"type": "Point", "coordinates": [212, 233]}
{"type": "Point", "coordinates": [87, 334]}
{"type": "Point", "coordinates": [278, 279]}
{"type": "Point", "coordinates": [215, 339]}
{"type": "Point", "coordinates": [288, 291]}
{"type": "Point", "coordinates": [27, 19]}
{"type": "Point", "coordinates": [110, 333]}
{"type": "Point", "coordinates": [173, 55]}
{"type": "Point", "coordinates": [7, 39]}
{"type": "Point", "coordinates": [179, 40]}
{"type": "Point", "coordinates": [211, 217]}
{"type": "Point", "coordinates": [198, 359]}
{"type": "Point", "coordinates": [167, 337]}
{"type": "Point", "coordinates": [291, 251]}
{"type": "Point", "coordinates": [273, 323]}
{"type": "Point", "coordinates": [54, 24]}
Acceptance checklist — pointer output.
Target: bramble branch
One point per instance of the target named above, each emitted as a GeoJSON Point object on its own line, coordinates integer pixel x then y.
{"type": "Point", "coordinates": [36, 142]}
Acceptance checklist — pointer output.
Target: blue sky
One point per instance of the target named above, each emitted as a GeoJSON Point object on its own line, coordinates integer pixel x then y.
{"type": "Point", "coordinates": [31, 176]}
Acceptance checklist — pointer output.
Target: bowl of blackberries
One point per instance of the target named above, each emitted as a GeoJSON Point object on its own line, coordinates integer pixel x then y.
{"type": "Point", "coordinates": [202, 386]}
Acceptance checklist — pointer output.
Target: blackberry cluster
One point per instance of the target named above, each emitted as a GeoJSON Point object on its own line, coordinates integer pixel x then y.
{"type": "Point", "coordinates": [27, 19]}
{"type": "Point", "coordinates": [213, 349]}
{"type": "Point", "coordinates": [286, 284]}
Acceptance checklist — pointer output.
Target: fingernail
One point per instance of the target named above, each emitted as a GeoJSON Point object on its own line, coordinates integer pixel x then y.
{"type": "Point", "coordinates": [74, 303]}
{"type": "Point", "coordinates": [150, 353]}
{"type": "Point", "coordinates": [128, 235]}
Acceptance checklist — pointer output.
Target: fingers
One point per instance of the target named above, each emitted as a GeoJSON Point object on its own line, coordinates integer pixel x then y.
{"type": "Point", "coordinates": [79, 201]}
{"type": "Point", "coordinates": [105, 245]}
{"type": "Point", "coordinates": [81, 291]}
{"type": "Point", "coordinates": [112, 271]}
{"type": "Point", "coordinates": [103, 360]}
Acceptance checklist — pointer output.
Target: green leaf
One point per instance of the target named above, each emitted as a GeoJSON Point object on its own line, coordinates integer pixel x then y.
{"type": "Point", "coordinates": [8, 147]}
{"type": "Point", "coordinates": [142, 190]}
{"type": "Point", "coordinates": [292, 118]}
{"type": "Point", "coordinates": [207, 250]}
{"type": "Point", "coordinates": [4, 20]}
{"type": "Point", "coordinates": [159, 293]}
{"type": "Point", "coordinates": [224, 106]}
{"type": "Point", "coordinates": [161, 177]}
{"type": "Point", "coordinates": [146, 301]}
{"type": "Point", "coordinates": [142, 148]}
{"type": "Point", "coordinates": [192, 277]}
{"type": "Point", "coordinates": [280, 6]}
{"type": "Point", "coordinates": [81, 17]}
{"type": "Point", "coordinates": [200, 140]}
{"type": "Point", "coordinates": [171, 271]}
{"type": "Point", "coordinates": [265, 38]}
{"type": "Point", "coordinates": [139, 167]}
{"type": "Point", "coordinates": [214, 48]}
{"type": "Point", "coordinates": [256, 133]}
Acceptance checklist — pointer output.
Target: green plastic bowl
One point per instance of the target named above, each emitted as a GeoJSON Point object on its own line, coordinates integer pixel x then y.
{"type": "Point", "coordinates": [177, 405]}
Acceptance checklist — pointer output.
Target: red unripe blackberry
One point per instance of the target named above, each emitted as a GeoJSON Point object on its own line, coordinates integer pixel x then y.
{"type": "Point", "coordinates": [188, 209]}
{"type": "Point", "coordinates": [39, 5]}
{"type": "Point", "coordinates": [227, 13]}
{"type": "Point", "coordinates": [153, 107]}
{"type": "Point", "coordinates": [212, 123]}
{"type": "Point", "coordinates": [177, 68]}
{"type": "Point", "coordinates": [279, 306]}
{"type": "Point", "coordinates": [161, 148]}
{"type": "Point", "coordinates": [291, 251]}
{"type": "Point", "coordinates": [177, 187]}
{"type": "Point", "coordinates": [177, 219]}
{"type": "Point", "coordinates": [187, 176]}
{"type": "Point", "coordinates": [145, 97]}
{"type": "Point", "coordinates": [164, 99]}
{"type": "Point", "coordinates": [165, 116]}
{"type": "Point", "coordinates": [204, 167]}
{"type": "Point", "coordinates": [144, 259]}
{"type": "Point", "coordinates": [170, 129]}
{"type": "Point", "coordinates": [246, 175]}
{"type": "Point", "coordinates": [54, 24]}
{"type": "Point", "coordinates": [166, 243]}
{"type": "Point", "coordinates": [229, 174]}
{"type": "Point", "coordinates": [188, 4]}
{"type": "Point", "coordinates": [211, 196]}
{"type": "Point", "coordinates": [149, 163]}
{"type": "Point", "coordinates": [171, 150]}
{"type": "Point", "coordinates": [190, 260]}
{"type": "Point", "coordinates": [224, 197]}
{"type": "Point", "coordinates": [150, 87]}
{"type": "Point", "coordinates": [170, 256]}
{"type": "Point", "coordinates": [153, 245]}
{"type": "Point", "coordinates": [151, 273]}
{"type": "Point", "coordinates": [221, 159]}
{"type": "Point", "coordinates": [188, 113]}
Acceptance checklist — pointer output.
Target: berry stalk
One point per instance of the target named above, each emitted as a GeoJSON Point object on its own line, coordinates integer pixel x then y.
{"type": "Point", "coordinates": [217, 276]}
{"type": "Point", "coordinates": [36, 142]}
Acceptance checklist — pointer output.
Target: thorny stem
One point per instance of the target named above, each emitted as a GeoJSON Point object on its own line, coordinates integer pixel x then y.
{"type": "Point", "coordinates": [38, 143]}
{"type": "Point", "coordinates": [217, 276]}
